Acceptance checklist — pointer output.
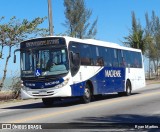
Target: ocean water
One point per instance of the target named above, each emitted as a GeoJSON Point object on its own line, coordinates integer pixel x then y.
{"type": "Point", "coordinates": [7, 84]}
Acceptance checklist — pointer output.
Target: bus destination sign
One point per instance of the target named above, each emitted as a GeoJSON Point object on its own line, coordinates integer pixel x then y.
{"type": "Point", "coordinates": [42, 42]}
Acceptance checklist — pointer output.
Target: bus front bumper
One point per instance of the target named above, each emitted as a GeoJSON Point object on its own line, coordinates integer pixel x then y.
{"type": "Point", "coordinates": [45, 93]}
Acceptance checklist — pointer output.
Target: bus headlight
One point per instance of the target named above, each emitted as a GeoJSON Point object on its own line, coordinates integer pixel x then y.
{"type": "Point", "coordinates": [25, 88]}
{"type": "Point", "coordinates": [22, 85]}
{"type": "Point", "coordinates": [62, 84]}
{"type": "Point", "coordinates": [66, 81]}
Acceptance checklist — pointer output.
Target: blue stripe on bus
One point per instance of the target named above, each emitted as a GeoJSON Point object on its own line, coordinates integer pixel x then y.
{"type": "Point", "coordinates": [108, 80]}
{"type": "Point", "coordinates": [78, 89]}
{"type": "Point", "coordinates": [41, 85]}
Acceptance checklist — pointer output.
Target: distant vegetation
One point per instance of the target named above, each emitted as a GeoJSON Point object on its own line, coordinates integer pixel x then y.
{"type": "Point", "coordinates": [77, 20]}
{"type": "Point", "coordinates": [12, 33]}
{"type": "Point", "coordinates": [147, 39]}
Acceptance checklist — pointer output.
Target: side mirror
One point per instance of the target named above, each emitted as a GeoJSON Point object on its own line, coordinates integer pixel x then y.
{"type": "Point", "coordinates": [14, 58]}
{"type": "Point", "coordinates": [14, 61]}
{"type": "Point", "coordinates": [71, 56]}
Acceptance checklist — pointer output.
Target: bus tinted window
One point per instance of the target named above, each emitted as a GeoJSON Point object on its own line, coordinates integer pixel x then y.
{"type": "Point", "coordinates": [97, 56]}
{"type": "Point", "coordinates": [74, 58]}
{"type": "Point", "coordinates": [85, 54]}
{"type": "Point", "coordinates": [105, 53]}
{"type": "Point", "coordinates": [131, 59]}
{"type": "Point", "coordinates": [111, 57]}
{"type": "Point", "coordinates": [115, 58]}
{"type": "Point", "coordinates": [120, 58]}
{"type": "Point", "coordinates": [73, 47]}
{"type": "Point", "coordinates": [137, 60]}
{"type": "Point", "coordinates": [104, 56]}
{"type": "Point", "coordinates": [127, 57]}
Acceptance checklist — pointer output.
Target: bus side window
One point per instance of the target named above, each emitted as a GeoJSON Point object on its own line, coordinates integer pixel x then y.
{"type": "Point", "coordinates": [120, 58]}
{"type": "Point", "coordinates": [74, 58]}
{"type": "Point", "coordinates": [115, 60]}
{"type": "Point", "coordinates": [99, 56]}
{"type": "Point", "coordinates": [100, 61]}
{"type": "Point", "coordinates": [123, 63]}
{"type": "Point", "coordinates": [85, 54]}
{"type": "Point", "coordinates": [128, 58]}
{"type": "Point", "coordinates": [94, 55]}
{"type": "Point", "coordinates": [139, 57]}
{"type": "Point", "coordinates": [137, 60]}
{"type": "Point", "coordinates": [105, 56]}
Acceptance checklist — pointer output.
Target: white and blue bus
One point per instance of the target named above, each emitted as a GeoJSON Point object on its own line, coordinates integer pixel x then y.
{"type": "Point", "coordinates": [57, 67]}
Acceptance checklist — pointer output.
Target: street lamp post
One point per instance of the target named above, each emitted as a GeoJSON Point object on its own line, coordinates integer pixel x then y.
{"type": "Point", "coordinates": [50, 17]}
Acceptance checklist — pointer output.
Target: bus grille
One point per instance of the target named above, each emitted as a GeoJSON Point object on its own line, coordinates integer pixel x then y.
{"type": "Point", "coordinates": [39, 79]}
{"type": "Point", "coordinates": [49, 93]}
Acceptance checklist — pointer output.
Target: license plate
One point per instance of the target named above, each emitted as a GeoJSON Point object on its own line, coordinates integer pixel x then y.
{"type": "Point", "coordinates": [43, 93]}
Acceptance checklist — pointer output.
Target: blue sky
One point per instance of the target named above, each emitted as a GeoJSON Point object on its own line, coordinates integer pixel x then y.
{"type": "Point", "coordinates": [114, 16]}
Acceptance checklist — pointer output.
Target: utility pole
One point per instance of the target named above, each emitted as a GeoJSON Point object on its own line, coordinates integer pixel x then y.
{"type": "Point", "coordinates": [50, 17]}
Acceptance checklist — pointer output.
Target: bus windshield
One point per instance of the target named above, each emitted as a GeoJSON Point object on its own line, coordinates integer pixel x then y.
{"type": "Point", "coordinates": [44, 62]}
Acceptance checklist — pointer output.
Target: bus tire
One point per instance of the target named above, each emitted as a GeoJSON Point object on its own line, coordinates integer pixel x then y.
{"type": "Point", "coordinates": [48, 102]}
{"type": "Point", "coordinates": [86, 98]}
{"type": "Point", "coordinates": [121, 93]}
{"type": "Point", "coordinates": [98, 96]}
{"type": "Point", "coordinates": [128, 88]}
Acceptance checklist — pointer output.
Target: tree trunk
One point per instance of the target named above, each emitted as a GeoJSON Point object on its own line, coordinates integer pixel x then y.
{"type": "Point", "coordinates": [5, 68]}
{"type": "Point", "coordinates": [149, 68]}
{"type": "Point", "coordinates": [155, 67]}
{"type": "Point", "coordinates": [1, 53]}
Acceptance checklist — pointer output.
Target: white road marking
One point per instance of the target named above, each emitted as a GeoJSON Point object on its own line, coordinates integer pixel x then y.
{"type": "Point", "coordinates": [5, 111]}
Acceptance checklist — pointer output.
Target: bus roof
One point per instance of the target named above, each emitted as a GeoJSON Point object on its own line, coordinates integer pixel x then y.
{"type": "Point", "coordinates": [100, 43]}
{"type": "Point", "coordinates": [92, 42]}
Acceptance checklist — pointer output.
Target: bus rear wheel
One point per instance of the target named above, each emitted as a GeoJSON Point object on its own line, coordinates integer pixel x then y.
{"type": "Point", "coordinates": [128, 88]}
{"type": "Point", "coordinates": [86, 98]}
{"type": "Point", "coordinates": [48, 102]}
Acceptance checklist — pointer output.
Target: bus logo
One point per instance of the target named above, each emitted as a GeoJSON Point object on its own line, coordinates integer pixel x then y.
{"type": "Point", "coordinates": [112, 73]}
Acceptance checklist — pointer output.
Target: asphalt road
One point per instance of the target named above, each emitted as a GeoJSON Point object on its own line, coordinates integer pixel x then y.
{"type": "Point", "coordinates": [142, 108]}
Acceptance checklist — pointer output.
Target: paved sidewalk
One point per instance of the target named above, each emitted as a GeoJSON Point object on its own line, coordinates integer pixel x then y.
{"type": "Point", "coordinates": [19, 102]}
{"type": "Point", "coordinates": [152, 82]}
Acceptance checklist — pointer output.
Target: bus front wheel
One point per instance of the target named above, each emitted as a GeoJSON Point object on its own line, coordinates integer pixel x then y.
{"type": "Point", "coordinates": [48, 102]}
{"type": "Point", "coordinates": [86, 98]}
